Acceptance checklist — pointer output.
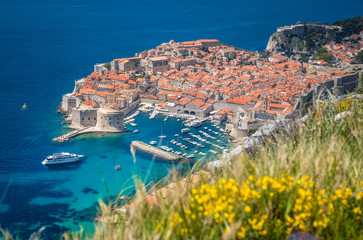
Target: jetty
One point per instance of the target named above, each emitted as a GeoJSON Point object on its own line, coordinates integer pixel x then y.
{"type": "Point", "coordinates": [68, 136]}
{"type": "Point", "coordinates": [155, 151]}
{"type": "Point", "coordinates": [77, 132]}
{"type": "Point", "coordinates": [132, 115]}
{"type": "Point", "coordinates": [153, 115]}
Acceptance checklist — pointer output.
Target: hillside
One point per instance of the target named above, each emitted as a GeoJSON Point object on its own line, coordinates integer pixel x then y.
{"type": "Point", "coordinates": [305, 180]}
{"type": "Point", "coordinates": [305, 38]}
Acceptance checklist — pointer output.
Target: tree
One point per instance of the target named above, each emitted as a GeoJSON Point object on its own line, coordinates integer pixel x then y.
{"type": "Point", "coordinates": [359, 57]}
{"type": "Point", "coordinates": [321, 50]}
{"type": "Point", "coordinates": [108, 66]}
{"type": "Point", "coordinates": [326, 57]}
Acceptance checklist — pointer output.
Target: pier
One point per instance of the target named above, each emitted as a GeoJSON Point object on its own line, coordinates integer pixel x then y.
{"type": "Point", "coordinates": [153, 115]}
{"type": "Point", "coordinates": [155, 151]}
{"type": "Point", "coordinates": [132, 115]}
{"type": "Point", "coordinates": [68, 136]}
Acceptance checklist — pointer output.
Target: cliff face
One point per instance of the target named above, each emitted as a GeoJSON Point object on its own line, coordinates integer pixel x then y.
{"type": "Point", "coordinates": [301, 38]}
{"type": "Point", "coordinates": [285, 44]}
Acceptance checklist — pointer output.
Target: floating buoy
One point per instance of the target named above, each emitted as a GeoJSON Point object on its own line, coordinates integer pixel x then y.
{"type": "Point", "coordinates": [117, 167]}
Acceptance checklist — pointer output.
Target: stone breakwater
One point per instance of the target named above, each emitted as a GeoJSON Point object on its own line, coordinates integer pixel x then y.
{"type": "Point", "coordinates": [155, 151]}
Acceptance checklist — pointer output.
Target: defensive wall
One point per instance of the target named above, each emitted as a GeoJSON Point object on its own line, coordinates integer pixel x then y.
{"type": "Point", "coordinates": [337, 86]}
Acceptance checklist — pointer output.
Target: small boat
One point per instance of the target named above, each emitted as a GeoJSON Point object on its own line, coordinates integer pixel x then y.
{"type": "Point", "coordinates": [185, 130]}
{"type": "Point", "coordinates": [153, 142]}
{"type": "Point", "coordinates": [161, 134]}
{"type": "Point", "coordinates": [133, 124]}
{"type": "Point", "coordinates": [136, 131]}
{"type": "Point", "coordinates": [190, 156]}
{"type": "Point", "coordinates": [166, 119]}
{"type": "Point", "coordinates": [178, 120]}
{"type": "Point", "coordinates": [196, 124]}
{"type": "Point", "coordinates": [117, 167]}
{"type": "Point", "coordinates": [176, 135]}
{"type": "Point", "coordinates": [24, 106]}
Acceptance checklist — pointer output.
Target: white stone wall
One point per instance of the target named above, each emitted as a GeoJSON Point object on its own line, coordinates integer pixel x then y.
{"type": "Point", "coordinates": [68, 102]}
{"type": "Point", "coordinates": [108, 120]}
{"type": "Point", "coordinates": [83, 117]}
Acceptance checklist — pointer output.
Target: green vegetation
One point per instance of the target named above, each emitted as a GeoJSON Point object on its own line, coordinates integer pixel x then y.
{"type": "Point", "coordinates": [351, 26]}
{"type": "Point", "coordinates": [108, 66]}
{"type": "Point", "coordinates": [360, 89]}
{"type": "Point", "coordinates": [359, 57]}
{"type": "Point", "coordinates": [307, 179]}
{"type": "Point", "coordinates": [251, 131]}
{"type": "Point", "coordinates": [323, 54]}
{"type": "Point", "coordinates": [321, 50]}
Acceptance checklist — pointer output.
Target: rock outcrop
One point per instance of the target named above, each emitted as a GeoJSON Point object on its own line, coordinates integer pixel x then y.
{"type": "Point", "coordinates": [301, 38]}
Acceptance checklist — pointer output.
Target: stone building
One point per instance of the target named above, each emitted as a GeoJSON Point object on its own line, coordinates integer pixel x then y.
{"type": "Point", "coordinates": [103, 119]}
{"type": "Point", "coordinates": [84, 116]}
{"type": "Point", "coordinates": [69, 101]}
{"type": "Point", "coordinates": [110, 120]}
{"type": "Point", "coordinates": [126, 64]}
{"type": "Point", "coordinates": [148, 87]}
{"type": "Point", "coordinates": [186, 106]}
{"type": "Point", "coordinates": [177, 63]}
{"type": "Point", "coordinates": [99, 68]}
{"type": "Point", "coordinates": [206, 43]}
{"type": "Point", "coordinates": [228, 53]}
{"type": "Point", "coordinates": [158, 64]}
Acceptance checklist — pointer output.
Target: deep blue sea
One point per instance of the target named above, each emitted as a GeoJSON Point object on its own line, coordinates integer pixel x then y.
{"type": "Point", "coordinates": [46, 45]}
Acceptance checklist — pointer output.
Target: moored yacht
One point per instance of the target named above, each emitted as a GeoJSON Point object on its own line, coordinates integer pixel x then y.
{"type": "Point", "coordinates": [184, 130]}
{"type": "Point", "coordinates": [64, 157]}
{"type": "Point", "coordinates": [153, 142]}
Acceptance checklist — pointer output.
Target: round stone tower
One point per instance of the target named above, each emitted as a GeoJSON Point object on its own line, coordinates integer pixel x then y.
{"type": "Point", "coordinates": [110, 120]}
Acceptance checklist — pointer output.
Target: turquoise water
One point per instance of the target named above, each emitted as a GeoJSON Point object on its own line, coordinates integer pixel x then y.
{"type": "Point", "coordinates": [46, 45]}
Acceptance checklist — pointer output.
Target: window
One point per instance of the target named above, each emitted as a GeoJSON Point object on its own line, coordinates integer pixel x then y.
{"type": "Point", "coordinates": [118, 122]}
{"type": "Point", "coordinates": [94, 118]}
{"type": "Point", "coordinates": [109, 118]}
{"type": "Point", "coordinates": [89, 118]}
{"type": "Point", "coordinates": [82, 118]}
{"type": "Point", "coordinates": [109, 123]}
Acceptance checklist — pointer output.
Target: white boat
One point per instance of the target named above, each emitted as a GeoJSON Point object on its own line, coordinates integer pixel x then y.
{"type": "Point", "coordinates": [153, 142]}
{"type": "Point", "coordinates": [136, 131]}
{"type": "Point", "coordinates": [191, 156]}
{"type": "Point", "coordinates": [133, 124]}
{"type": "Point", "coordinates": [166, 119]}
{"type": "Point", "coordinates": [64, 157]}
{"type": "Point", "coordinates": [196, 124]}
{"type": "Point", "coordinates": [161, 135]}
{"type": "Point", "coordinates": [185, 130]}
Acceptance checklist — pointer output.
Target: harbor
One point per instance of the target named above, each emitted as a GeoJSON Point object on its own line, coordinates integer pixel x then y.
{"type": "Point", "coordinates": [205, 141]}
